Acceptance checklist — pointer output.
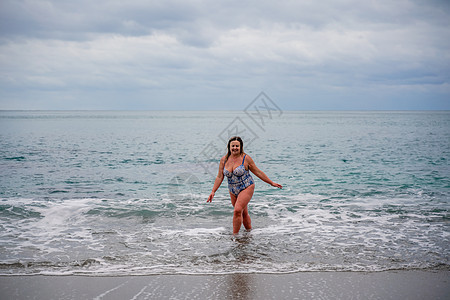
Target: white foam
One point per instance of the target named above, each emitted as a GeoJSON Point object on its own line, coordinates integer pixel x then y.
{"type": "Point", "coordinates": [204, 231]}
{"type": "Point", "coordinates": [61, 214]}
{"type": "Point", "coordinates": [301, 232]}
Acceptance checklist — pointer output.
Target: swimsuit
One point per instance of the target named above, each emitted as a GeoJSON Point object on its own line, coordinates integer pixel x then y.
{"type": "Point", "coordinates": [239, 179]}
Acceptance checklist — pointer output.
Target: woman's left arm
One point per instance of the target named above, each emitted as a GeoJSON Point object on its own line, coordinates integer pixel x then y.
{"type": "Point", "coordinates": [261, 175]}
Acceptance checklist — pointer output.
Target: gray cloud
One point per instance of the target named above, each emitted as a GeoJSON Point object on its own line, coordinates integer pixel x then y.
{"type": "Point", "coordinates": [211, 54]}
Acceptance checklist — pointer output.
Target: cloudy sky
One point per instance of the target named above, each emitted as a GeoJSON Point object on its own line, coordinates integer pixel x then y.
{"type": "Point", "coordinates": [210, 54]}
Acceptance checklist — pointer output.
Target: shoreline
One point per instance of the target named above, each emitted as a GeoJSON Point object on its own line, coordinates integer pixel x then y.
{"type": "Point", "coordinates": [411, 284]}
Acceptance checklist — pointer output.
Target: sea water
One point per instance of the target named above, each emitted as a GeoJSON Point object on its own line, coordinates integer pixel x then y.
{"type": "Point", "coordinates": [124, 193]}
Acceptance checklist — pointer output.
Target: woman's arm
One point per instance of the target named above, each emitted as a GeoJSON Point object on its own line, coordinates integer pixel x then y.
{"type": "Point", "coordinates": [261, 175]}
{"type": "Point", "coordinates": [218, 180]}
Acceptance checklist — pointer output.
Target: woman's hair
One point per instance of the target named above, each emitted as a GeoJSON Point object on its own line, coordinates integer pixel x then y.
{"type": "Point", "coordinates": [235, 138]}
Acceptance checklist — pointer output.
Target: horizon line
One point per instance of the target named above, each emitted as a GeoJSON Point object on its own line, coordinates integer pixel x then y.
{"type": "Point", "coordinates": [231, 110]}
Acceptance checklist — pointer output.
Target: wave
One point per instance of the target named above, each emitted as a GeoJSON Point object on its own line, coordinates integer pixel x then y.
{"type": "Point", "coordinates": [107, 266]}
{"type": "Point", "coordinates": [371, 206]}
{"type": "Point", "coordinates": [182, 234]}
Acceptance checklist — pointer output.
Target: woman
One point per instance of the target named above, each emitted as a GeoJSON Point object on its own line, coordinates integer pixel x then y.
{"type": "Point", "coordinates": [236, 165]}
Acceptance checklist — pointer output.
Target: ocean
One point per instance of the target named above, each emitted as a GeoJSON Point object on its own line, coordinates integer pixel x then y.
{"type": "Point", "coordinates": [112, 193]}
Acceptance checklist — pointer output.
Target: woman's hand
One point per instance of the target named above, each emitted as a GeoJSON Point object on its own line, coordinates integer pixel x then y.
{"type": "Point", "coordinates": [277, 185]}
{"type": "Point", "coordinates": [211, 196]}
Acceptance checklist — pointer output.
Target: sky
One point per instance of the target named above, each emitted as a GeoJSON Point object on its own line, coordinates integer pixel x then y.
{"type": "Point", "coordinates": [219, 55]}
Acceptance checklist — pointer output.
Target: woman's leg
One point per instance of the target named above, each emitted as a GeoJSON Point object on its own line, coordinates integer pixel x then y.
{"type": "Point", "coordinates": [246, 220]}
{"type": "Point", "coordinates": [240, 214]}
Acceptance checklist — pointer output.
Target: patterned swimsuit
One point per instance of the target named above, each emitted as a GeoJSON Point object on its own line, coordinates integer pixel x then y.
{"type": "Point", "coordinates": [239, 179]}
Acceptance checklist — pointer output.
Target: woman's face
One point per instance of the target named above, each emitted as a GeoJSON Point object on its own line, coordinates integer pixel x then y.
{"type": "Point", "coordinates": [235, 147]}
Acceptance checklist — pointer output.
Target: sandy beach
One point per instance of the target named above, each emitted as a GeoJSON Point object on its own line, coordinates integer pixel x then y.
{"type": "Point", "coordinates": [306, 285]}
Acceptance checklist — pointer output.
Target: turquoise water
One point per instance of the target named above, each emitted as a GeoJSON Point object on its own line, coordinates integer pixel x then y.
{"type": "Point", "coordinates": [124, 193]}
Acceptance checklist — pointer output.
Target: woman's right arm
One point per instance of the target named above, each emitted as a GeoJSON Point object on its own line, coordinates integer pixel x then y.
{"type": "Point", "coordinates": [218, 180]}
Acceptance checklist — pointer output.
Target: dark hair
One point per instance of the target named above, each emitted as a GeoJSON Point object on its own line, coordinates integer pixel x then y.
{"type": "Point", "coordinates": [235, 138]}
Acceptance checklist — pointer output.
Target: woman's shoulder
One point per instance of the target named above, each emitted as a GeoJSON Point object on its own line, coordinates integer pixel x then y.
{"type": "Point", "coordinates": [248, 157]}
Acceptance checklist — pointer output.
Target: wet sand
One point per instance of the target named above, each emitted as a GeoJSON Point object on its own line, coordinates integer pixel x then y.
{"type": "Point", "coordinates": [306, 285]}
